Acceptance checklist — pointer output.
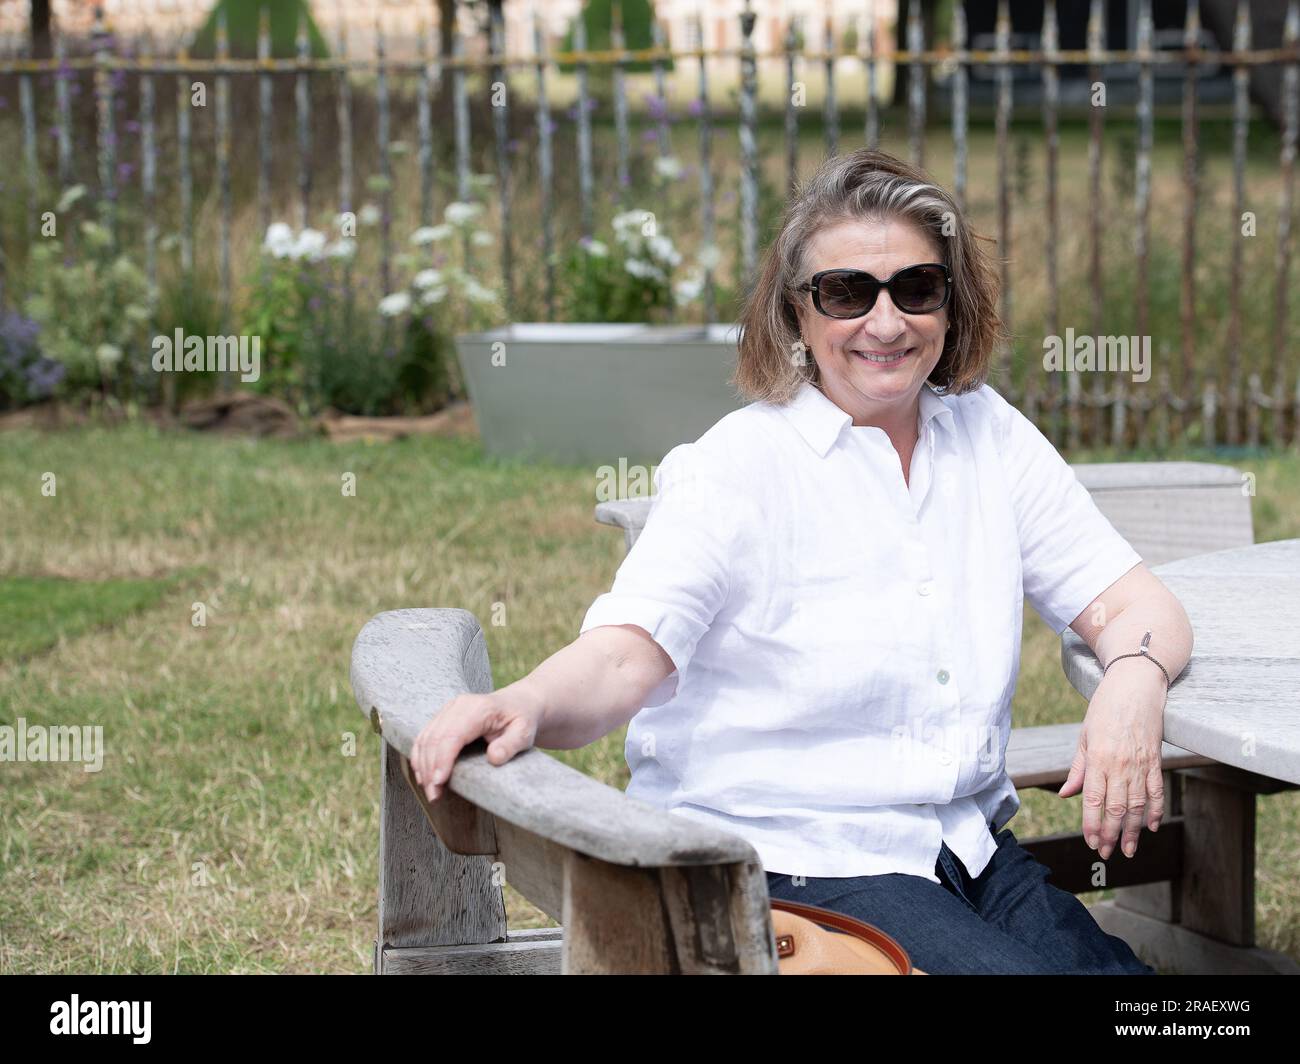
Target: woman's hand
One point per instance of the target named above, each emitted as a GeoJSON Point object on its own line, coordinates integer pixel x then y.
{"type": "Point", "coordinates": [1117, 766]}
{"type": "Point", "coordinates": [508, 719]}
{"type": "Point", "coordinates": [581, 692]}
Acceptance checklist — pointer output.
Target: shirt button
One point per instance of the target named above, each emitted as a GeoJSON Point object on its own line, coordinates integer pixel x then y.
{"type": "Point", "coordinates": [942, 676]}
{"type": "Point", "coordinates": [925, 589]}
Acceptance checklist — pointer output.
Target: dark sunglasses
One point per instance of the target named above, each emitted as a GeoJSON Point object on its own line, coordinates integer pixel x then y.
{"type": "Point", "coordinates": [920, 289]}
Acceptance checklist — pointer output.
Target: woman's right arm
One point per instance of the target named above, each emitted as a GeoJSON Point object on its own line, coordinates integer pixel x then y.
{"type": "Point", "coordinates": [575, 696]}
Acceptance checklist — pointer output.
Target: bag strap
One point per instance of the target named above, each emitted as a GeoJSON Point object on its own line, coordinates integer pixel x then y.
{"type": "Point", "coordinates": [850, 926]}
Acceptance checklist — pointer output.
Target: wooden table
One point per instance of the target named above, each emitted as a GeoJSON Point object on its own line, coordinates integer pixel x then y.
{"type": "Point", "coordinates": [1238, 701]}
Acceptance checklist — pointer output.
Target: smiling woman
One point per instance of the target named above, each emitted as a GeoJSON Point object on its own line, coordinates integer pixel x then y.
{"type": "Point", "coordinates": [816, 636]}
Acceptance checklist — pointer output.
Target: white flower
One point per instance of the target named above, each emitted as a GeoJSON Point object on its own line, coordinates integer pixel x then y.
{"type": "Point", "coordinates": [279, 240]}
{"type": "Point", "coordinates": [669, 168]}
{"type": "Point", "coordinates": [689, 288]}
{"type": "Point", "coordinates": [629, 220]}
{"type": "Point", "coordinates": [310, 245]}
{"type": "Point", "coordinates": [662, 248]}
{"type": "Point", "coordinates": [108, 354]}
{"type": "Point", "coordinates": [369, 214]}
{"type": "Point", "coordinates": [342, 248]}
{"type": "Point", "coordinates": [597, 249]}
{"type": "Point", "coordinates": [710, 256]}
{"type": "Point", "coordinates": [434, 295]}
{"type": "Point", "coordinates": [393, 305]}
{"type": "Point", "coordinates": [644, 270]}
{"type": "Point", "coordinates": [477, 293]}
{"type": "Point", "coordinates": [427, 234]}
{"type": "Point", "coordinates": [481, 238]}
{"type": "Point", "coordinates": [459, 213]}
{"type": "Point", "coordinates": [427, 278]}
{"type": "Point", "coordinates": [69, 197]}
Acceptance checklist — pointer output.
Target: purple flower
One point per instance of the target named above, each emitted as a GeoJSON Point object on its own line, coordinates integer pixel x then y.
{"type": "Point", "coordinates": [25, 374]}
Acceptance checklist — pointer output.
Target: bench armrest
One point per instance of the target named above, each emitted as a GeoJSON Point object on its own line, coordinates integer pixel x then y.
{"type": "Point", "coordinates": [406, 664]}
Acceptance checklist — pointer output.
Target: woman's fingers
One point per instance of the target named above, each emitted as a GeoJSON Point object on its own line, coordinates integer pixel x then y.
{"type": "Point", "coordinates": [1114, 809]}
{"type": "Point", "coordinates": [461, 721]}
{"type": "Point", "coordinates": [1137, 805]}
{"type": "Point", "coordinates": [515, 738]}
{"type": "Point", "coordinates": [1155, 795]}
{"type": "Point", "coordinates": [1118, 797]}
{"type": "Point", "coordinates": [1094, 801]}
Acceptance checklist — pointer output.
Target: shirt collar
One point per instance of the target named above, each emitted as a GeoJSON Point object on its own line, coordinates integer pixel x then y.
{"type": "Point", "coordinates": [820, 422]}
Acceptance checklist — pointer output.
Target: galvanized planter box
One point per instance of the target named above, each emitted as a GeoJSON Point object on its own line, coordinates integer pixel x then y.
{"type": "Point", "coordinates": [594, 393]}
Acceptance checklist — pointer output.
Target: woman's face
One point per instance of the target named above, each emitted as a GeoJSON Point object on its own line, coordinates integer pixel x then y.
{"type": "Point", "coordinates": [873, 391]}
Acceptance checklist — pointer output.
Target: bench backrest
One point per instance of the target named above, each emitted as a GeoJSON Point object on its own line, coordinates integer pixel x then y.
{"type": "Point", "coordinates": [1166, 510]}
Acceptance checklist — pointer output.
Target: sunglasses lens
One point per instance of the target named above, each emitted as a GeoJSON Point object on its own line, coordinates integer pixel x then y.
{"type": "Point", "coordinates": [920, 290]}
{"type": "Point", "coordinates": [847, 294]}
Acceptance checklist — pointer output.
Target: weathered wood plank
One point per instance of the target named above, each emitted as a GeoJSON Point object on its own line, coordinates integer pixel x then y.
{"type": "Point", "coordinates": [428, 896]}
{"type": "Point", "coordinates": [531, 952]}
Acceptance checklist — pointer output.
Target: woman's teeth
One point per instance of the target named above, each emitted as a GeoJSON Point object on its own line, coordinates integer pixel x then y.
{"type": "Point", "coordinates": [871, 356]}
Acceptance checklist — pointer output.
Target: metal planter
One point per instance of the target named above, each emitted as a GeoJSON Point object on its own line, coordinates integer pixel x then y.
{"type": "Point", "coordinates": [595, 393]}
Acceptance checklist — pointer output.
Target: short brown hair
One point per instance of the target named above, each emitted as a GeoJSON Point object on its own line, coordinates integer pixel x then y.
{"type": "Point", "coordinates": [868, 185]}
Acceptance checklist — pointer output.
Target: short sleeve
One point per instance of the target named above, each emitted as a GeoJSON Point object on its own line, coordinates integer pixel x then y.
{"type": "Point", "coordinates": [1070, 553]}
{"type": "Point", "coordinates": [677, 575]}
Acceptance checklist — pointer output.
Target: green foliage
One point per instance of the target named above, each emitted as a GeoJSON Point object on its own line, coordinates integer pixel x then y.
{"type": "Point", "coordinates": [323, 347]}
{"type": "Point", "coordinates": [93, 311]}
{"type": "Point", "coordinates": [190, 304]}
{"type": "Point", "coordinates": [598, 18]}
{"type": "Point", "coordinates": [242, 18]}
{"type": "Point", "coordinates": [361, 364]}
{"type": "Point", "coordinates": [628, 280]}
{"type": "Point", "coordinates": [278, 312]}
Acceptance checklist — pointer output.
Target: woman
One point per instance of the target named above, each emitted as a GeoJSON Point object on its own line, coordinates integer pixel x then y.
{"type": "Point", "coordinates": [818, 631]}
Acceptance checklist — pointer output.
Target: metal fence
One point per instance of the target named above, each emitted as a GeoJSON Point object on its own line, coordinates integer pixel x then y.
{"type": "Point", "coordinates": [1226, 403]}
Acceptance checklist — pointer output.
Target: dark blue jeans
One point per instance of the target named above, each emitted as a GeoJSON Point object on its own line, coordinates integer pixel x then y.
{"type": "Point", "coordinates": [1008, 921]}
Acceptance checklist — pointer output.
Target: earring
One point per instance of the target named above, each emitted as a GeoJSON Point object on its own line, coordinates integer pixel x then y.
{"type": "Point", "coordinates": [799, 353]}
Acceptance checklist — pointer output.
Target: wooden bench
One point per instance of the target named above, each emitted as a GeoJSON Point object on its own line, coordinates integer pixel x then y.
{"type": "Point", "coordinates": [638, 889]}
{"type": "Point", "coordinates": [635, 888]}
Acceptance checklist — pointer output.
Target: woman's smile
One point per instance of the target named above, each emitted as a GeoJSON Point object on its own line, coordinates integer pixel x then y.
{"type": "Point", "coordinates": [884, 358]}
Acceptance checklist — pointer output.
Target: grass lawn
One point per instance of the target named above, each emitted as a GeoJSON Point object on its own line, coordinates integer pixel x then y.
{"type": "Point", "coordinates": [232, 827]}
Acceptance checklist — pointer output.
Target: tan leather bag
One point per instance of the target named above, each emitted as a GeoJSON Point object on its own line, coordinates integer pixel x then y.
{"type": "Point", "coordinates": [805, 947]}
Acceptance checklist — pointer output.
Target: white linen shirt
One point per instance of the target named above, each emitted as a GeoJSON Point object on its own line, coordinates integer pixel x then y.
{"type": "Point", "coordinates": [846, 644]}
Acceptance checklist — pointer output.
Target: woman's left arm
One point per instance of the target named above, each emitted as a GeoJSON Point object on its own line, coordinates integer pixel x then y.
{"type": "Point", "coordinates": [1117, 765]}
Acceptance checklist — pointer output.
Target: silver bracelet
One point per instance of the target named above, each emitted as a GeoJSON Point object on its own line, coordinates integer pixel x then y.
{"type": "Point", "coordinates": [1142, 652]}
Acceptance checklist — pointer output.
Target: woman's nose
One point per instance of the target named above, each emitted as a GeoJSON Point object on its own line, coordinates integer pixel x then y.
{"type": "Point", "coordinates": [884, 321]}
